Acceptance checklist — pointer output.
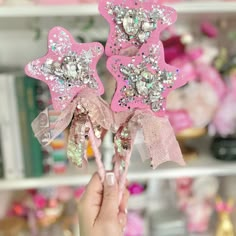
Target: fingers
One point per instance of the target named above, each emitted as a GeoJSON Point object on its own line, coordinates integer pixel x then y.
{"type": "Point", "coordinates": [94, 189]}
{"type": "Point", "coordinates": [94, 185]}
{"type": "Point", "coordinates": [122, 217]}
{"type": "Point", "coordinates": [109, 208]}
{"type": "Point", "coordinates": [124, 201]}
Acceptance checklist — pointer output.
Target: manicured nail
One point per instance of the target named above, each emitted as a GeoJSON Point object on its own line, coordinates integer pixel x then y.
{"type": "Point", "coordinates": [110, 178]}
{"type": "Point", "coordinates": [126, 211]}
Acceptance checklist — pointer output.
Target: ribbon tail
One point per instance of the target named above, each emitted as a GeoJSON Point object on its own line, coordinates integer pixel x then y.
{"type": "Point", "coordinates": [50, 123]}
{"type": "Point", "coordinates": [77, 143]}
{"type": "Point", "coordinates": [160, 141]}
{"type": "Point", "coordinates": [124, 142]}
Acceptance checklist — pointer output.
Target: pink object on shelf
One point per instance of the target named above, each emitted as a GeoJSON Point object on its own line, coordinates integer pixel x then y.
{"type": "Point", "coordinates": [225, 124]}
{"type": "Point", "coordinates": [40, 201]}
{"type": "Point", "coordinates": [224, 207]}
{"type": "Point", "coordinates": [136, 189]}
{"type": "Point", "coordinates": [135, 225]}
{"type": "Point", "coordinates": [209, 29]}
{"type": "Point", "coordinates": [209, 74]}
{"type": "Point", "coordinates": [79, 192]}
{"type": "Point", "coordinates": [198, 213]}
{"type": "Point", "coordinates": [64, 193]}
{"type": "Point", "coordinates": [180, 120]}
{"type": "Point", "coordinates": [56, 2]}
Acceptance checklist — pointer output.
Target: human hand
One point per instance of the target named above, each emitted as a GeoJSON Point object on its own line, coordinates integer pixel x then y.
{"type": "Point", "coordinates": [100, 213]}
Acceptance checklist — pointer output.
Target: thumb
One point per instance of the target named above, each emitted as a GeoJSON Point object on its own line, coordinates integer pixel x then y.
{"type": "Point", "coordinates": [110, 206]}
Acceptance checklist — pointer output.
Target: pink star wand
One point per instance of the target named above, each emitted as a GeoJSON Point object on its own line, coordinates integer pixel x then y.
{"type": "Point", "coordinates": [69, 70]}
{"type": "Point", "coordinates": [143, 83]}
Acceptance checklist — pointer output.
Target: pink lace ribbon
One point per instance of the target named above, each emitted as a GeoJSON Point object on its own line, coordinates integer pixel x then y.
{"type": "Point", "coordinates": [88, 115]}
{"type": "Point", "coordinates": [160, 144]}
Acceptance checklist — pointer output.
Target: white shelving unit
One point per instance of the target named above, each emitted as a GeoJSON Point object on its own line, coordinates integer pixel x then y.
{"type": "Point", "coordinates": [204, 166]}
{"type": "Point", "coordinates": [92, 10]}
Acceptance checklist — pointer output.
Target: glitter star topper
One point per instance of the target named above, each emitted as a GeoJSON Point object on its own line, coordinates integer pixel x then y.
{"type": "Point", "coordinates": [143, 81]}
{"type": "Point", "coordinates": [67, 68]}
{"type": "Point", "coordinates": [133, 23]}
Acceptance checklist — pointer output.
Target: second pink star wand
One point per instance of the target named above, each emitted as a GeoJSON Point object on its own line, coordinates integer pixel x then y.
{"type": "Point", "coordinates": [143, 83]}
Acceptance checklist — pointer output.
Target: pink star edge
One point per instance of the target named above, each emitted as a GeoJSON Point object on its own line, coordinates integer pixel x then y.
{"type": "Point", "coordinates": [67, 68]}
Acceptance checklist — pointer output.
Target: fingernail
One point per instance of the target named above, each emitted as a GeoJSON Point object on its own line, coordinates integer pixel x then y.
{"type": "Point", "coordinates": [110, 179]}
{"type": "Point", "coordinates": [126, 211]}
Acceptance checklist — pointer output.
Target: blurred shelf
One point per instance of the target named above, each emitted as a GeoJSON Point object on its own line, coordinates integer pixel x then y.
{"type": "Point", "coordinates": [205, 7]}
{"type": "Point", "coordinates": [201, 167]}
{"type": "Point", "coordinates": [91, 9]}
{"type": "Point", "coordinates": [47, 11]}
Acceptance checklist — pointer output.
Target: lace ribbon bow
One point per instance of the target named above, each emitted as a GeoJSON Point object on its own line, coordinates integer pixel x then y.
{"type": "Point", "coordinates": [159, 142]}
{"type": "Point", "coordinates": [87, 115]}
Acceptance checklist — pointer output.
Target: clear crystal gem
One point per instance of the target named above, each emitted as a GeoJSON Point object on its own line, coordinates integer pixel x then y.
{"type": "Point", "coordinates": [131, 22]}
{"type": "Point", "coordinates": [156, 107]}
{"type": "Point", "coordinates": [86, 79]}
{"type": "Point", "coordinates": [133, 78]}
{"type": "Point", "coordinates": [129, 92]}
{"type": "Point", "coordinates": [141, 88]}
{"type": "Point", "coordinates": [148, 76]}
{"type": "Point", "coordinates": [156, 96]}
{"type": "Point", "coordinates": [124, 70]}
{"type": "Point", "coordinates": [143, 36]}
{"type": "Point", "coordinates": [97, 132]}
{"type": "Point", "coordinates": [70, 70]}
{"type": "Point", "coordinates": [148, 26]}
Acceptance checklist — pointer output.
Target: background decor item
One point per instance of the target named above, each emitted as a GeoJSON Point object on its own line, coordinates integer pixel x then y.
{"type": "Point", "coordinates": [189, 153]}
{"type": "Point", "coordinates": [135, 224]}
{"type": "Point", "coordinates": [168, 222]}
{"type": "Point", "coordinates": [223, 126]}
{"type": "Point", "coordinates": [12, 226]}
{"type": "Point", "coordinates": [196, 200]}
{"type": "Point", "coordinates": [224, 148]}
{"type": "Point", "coordinates": [225, 224]}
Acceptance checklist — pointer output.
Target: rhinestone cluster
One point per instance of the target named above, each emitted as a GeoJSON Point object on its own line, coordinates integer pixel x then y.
{"type": "Point", "coordinates": [80, 128]}
{"type": "Point", "coordinates": [80, 132]}
{"type": "Point", "coordinates": [146, 82]}
{"type": "Point", "coordinates": [72, 71]}
{"type": "Point", "coordinates": [68, 72]}
{"type": "Point", "coordinates": [136, 25]}
{"type": "Point", "coordinates": [123, 141]}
